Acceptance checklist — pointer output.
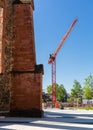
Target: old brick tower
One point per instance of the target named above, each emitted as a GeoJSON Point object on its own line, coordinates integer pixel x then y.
{"type": "Point", "coordinates": [21, 77]}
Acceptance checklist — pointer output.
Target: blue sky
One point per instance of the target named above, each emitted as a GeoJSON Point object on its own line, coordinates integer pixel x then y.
{"type": "Point", "coordinates": [52, 19]}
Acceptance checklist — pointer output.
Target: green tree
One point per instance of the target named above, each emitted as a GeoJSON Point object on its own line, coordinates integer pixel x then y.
{"type": "Point", "coordinates": [76, 91]}
{"type": "Point", "coordinates": [60, 91]}
{"type": "Point", "coordinates": [49, 89]}
{"type": "Point", "coordinates": [88, 87]}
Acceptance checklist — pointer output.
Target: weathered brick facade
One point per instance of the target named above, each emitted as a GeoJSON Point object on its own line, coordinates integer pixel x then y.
{"type": "Point", "coordinates": [1, 29]}
{"type": "Point", "coordinates": [18, 60]}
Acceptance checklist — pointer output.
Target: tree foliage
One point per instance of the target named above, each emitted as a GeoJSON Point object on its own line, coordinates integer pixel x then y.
{"type": "Point", "coordinates": [88, 87]}
{"type": "Point", "coordinates": [60, 92]}
{"type": "Point", "coordinates": [45, 97]}
{"type": "Point", "coordinates": [49, 89]}
{"type": "Point", "coordinates": [76, 91]}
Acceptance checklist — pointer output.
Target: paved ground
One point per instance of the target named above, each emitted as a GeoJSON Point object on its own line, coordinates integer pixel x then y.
{"type": "Point", "coordinates": [55, 119]}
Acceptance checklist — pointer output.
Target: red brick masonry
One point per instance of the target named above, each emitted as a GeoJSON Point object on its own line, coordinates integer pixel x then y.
{"type": "Point", "coordinates": [26, 91]}
{"type": "Point", "coordinates": [23, 77]}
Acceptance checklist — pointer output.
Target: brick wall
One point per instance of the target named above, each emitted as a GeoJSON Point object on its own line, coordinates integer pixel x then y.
{"type": "Point", "coordinates": [24, 46]}
{"type": "Point", "coordinates": [1, 35]}
{"type": "Point", "coordinates": [26, 79]}
{"type": "Point", "coordinates": [6, 55]}
{"type": "Point", "coordinates": [26, 91]}
{"type": "Point", "coordinates": [21, 82]}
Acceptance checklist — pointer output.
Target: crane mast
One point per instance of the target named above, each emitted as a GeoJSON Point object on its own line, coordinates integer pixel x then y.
{"type": "Point", "coordinates": [52, 60]}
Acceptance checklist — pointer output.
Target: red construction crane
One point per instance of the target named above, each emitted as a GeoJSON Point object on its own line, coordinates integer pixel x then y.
{"type": "Point", "coordinates": [52, 60]}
